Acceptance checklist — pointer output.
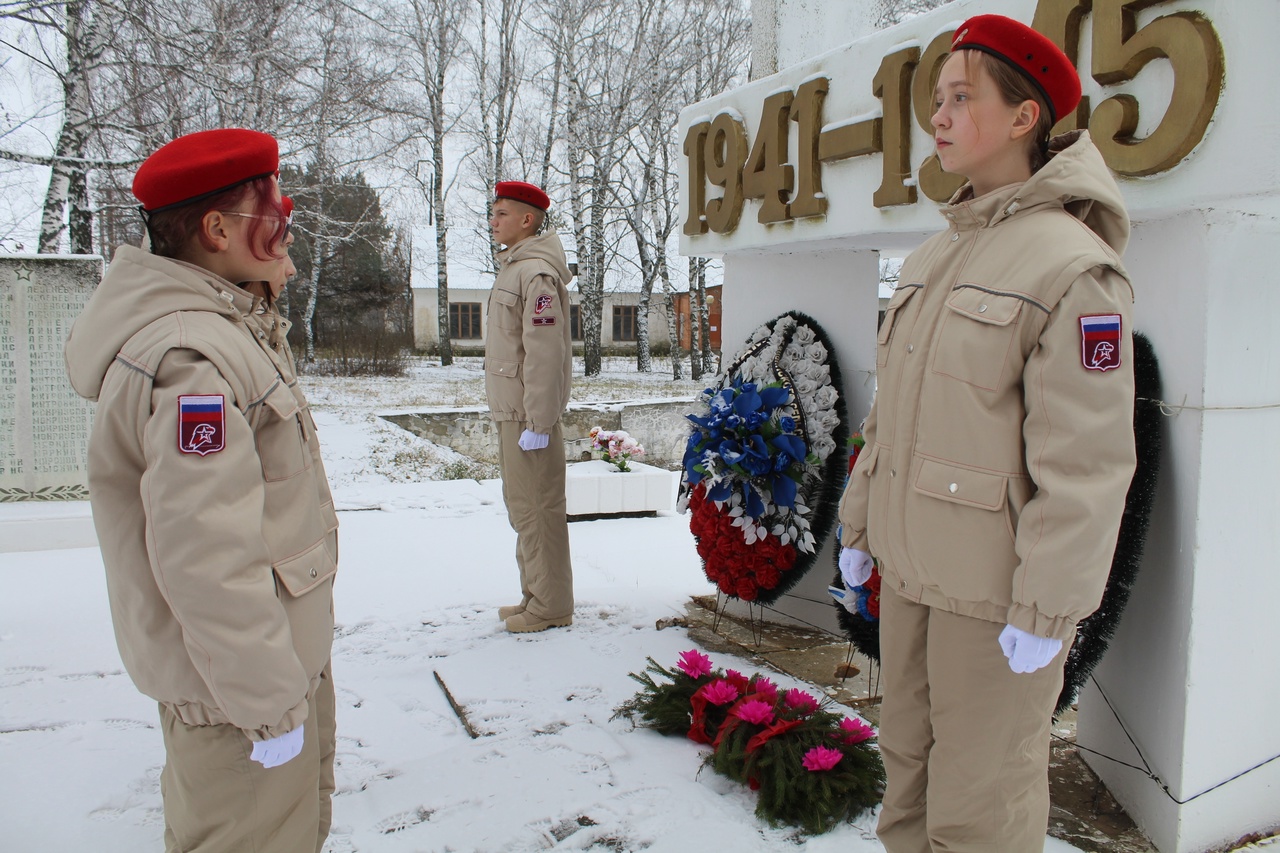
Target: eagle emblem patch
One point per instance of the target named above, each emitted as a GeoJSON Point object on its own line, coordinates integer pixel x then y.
{"type": "Point", "coordinates": [201, 423]}
{"type": "Point", "coordinates": [542, 303]}
{"type": "Point", "coordinates": [1100, 341]}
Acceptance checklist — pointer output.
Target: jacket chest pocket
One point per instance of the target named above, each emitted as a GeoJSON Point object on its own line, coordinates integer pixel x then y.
{"type": "Point", "coordinates": [977, 341]}
{"type": "Point", "coordinates": [281, 436]}
{"type": "Point", "coordinates": [894, 315]}
{"type": "Point", "coordinates": [505, 309]}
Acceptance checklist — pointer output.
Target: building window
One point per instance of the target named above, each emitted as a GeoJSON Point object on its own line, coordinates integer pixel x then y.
{"type": "Point", "coordinates": [464, 320]}
{"type": "Point", "coordinates": [575, 322]}
{"type": "Point", "coordinates": [624, 322]}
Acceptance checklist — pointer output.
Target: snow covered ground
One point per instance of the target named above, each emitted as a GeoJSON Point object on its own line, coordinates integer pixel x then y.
{"type": "Point", "coordinates": [424, 566]}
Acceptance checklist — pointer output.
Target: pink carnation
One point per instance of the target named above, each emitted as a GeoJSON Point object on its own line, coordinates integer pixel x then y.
{"type": "Point", "coordinates": [765, 687]}
{"type": "Point", "coordinates": [719, 692]}
{"type": "Point", "coordinates": [755, 711]}
{"type": "Point", "coordinates": [821, 758]}
{"type": "Point", "coordinates": [801, 701]}
{"type": "Point", "coordinates": [856, 731]}
{"type": "Point", "coordinates": [694, 664]}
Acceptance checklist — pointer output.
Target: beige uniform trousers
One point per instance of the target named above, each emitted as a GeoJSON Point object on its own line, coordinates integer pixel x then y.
{"type": "Point", "coordinates": [533, 490]}
{"type": "Point", "coordinates": [216, 800]}
{"type": "Point", "coordinates": [965, 740]}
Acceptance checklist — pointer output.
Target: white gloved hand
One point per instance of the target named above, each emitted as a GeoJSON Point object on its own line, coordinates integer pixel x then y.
{"type": "Point", "coordinates": [530, 440]}
{"type": "Point", "coordinates": [855, 566]}
{"type": "Point", "coordinates": [1027, 652]}
{"type": "Point", "coordinates": [278, 750]}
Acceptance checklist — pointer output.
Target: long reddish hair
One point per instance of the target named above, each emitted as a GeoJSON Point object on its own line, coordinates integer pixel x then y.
{"type": "Point", "coordinates": [172, 230]}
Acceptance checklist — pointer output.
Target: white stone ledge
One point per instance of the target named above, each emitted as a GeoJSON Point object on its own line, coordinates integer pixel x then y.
{"type": "Point", "coordinates": [46, 526]}
{"type": "Point", "coordinates": [599, 488]}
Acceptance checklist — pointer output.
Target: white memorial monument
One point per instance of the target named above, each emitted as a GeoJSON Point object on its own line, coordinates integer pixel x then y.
{"type": "Point", "coordinates": [802, 178]}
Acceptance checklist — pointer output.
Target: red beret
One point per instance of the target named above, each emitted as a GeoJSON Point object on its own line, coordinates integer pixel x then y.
{"type": "Point", "coordinates": [201, 164]}
{"type": "Point", "coordinates": [520, 191]}
{"type": "Point", "coordinates": [1027, 50]}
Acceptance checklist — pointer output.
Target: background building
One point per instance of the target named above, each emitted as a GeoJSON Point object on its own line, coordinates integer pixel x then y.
{"type": "Point", "coordinates": [468, 311]}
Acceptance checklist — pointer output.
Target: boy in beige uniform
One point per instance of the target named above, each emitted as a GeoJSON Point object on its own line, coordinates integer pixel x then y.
{"type": "Point", "coordinates": [214, 516]}
{"type": "Point", "coordinates": [528, 367]}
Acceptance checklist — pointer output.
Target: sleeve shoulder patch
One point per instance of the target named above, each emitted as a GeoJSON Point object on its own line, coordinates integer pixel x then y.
{"type": "Point", "coordinates": [202, 423]}
{"type": "Point", "coordinates": [1100, 341]}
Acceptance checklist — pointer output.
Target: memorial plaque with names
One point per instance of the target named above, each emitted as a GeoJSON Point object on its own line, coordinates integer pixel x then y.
{"type": "Point", "coordinates": [44, 424]}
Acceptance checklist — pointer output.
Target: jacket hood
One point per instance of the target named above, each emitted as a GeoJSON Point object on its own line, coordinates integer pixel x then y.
{"type": "Point", "coordinates": [1077, 178]}
{"type": "Point", "coordinates": [137, 289]}
{"type": "Point", "coordinates": [545, 247]}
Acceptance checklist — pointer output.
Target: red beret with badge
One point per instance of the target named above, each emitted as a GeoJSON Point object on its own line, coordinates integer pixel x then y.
{"type": "Point", "coordinates": [1035, 55]}
{"type": "Point", "coordinates": [202, 164]}
{"type": "Point", "coordinates": [530, 194]}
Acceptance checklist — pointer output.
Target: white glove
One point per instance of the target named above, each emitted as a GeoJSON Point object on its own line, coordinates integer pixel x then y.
{"type": "Point", "coordinates": [855, 566]}
{"type": "Point", "coordinates": [1027, 652]}
{"type": "Point", "coordinates": [530, 440]}
{"type": "Point", "coordinates": [278, 750]}
{"type": "Point", "coordinates": [844, 597]}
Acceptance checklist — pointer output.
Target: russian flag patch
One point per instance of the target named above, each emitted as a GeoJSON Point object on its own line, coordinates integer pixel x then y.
{"type": "Point", "coordinates": [1100, 341]}
{"type": "Point", "coordinates": [201, 423]}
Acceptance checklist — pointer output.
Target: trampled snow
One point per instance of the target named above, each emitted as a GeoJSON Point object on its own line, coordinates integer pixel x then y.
{"type": "Point", "coordinates": [423, 567]}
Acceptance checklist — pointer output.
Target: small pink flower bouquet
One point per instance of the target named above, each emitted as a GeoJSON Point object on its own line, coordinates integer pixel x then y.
{"type": "Point", "coordinates": [616, 447]}
{"type": "Point", "coordinates": [811, 766]}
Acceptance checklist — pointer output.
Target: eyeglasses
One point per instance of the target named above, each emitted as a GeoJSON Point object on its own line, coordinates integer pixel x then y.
{"type": "Point", "coordinates": [288, 220]}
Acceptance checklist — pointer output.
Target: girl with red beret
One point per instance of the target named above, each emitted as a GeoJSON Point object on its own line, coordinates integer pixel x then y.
{"type": "Point", "coordinates": [999, 449]}
{"type": "Point", "coordinates": [213, 513]}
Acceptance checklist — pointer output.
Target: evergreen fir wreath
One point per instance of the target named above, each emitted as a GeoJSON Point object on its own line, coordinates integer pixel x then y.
{"type": "Point", "coordinates": [811, 766]}
{"type": "Point", "coordinates": [762, 468]}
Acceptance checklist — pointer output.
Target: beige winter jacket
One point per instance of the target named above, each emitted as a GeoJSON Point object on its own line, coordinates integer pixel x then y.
{"type": "Point", "coordinates": [528, 351]}
{"type": "Point", "coordinates": [217, 531]}
{"type": "Point", "coordinates": [1000, 443]}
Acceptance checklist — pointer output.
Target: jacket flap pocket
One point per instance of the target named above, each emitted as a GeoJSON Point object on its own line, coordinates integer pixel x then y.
{"type": "Point", "coordinates": [962, 486]}
{"type": "Point", "coordinates": [510, 369]}
{"type": "Point", "coordinates": [873, 455]}
{"type": "Point", "coordinates": [506, 297]}
{"type": "Point", "coordinates": [281, 401]}
{"type": "Point", "coordinates": [307, 570]}
{"type": "Point", "coordinates": [899, 299]}
{"type": "Point", "coordinates": [995, 309]}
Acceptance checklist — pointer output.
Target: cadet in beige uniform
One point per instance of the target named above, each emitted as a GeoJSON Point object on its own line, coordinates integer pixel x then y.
{"type": "Point", "coordinates": [213, 512]}
{"type": "Point", "coordinates": [999, 450]}
{"type": "Point", "coordinates": [528, 367]}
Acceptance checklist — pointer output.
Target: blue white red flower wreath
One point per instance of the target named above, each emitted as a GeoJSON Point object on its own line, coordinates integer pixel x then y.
{"type": "Point", "coordinates": [756, 465]}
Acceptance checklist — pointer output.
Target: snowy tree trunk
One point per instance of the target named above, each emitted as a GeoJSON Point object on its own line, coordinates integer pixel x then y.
{"type": "Point", "coordinates": [318, 246]}
{"type": "Point", "coordinates": [72, 139]}
{"type": "Point", "coordinates": [442, 228]}
{"type": "Point", "coordinates": [704, 319]}
{"type": "Point", "coordinates": [695, 328]}
{"type": "Point", "coordinates": [673, 320]}
{"type": "Point", "coordinates": [552, 110]}
{"type": "Point", "coordinates": [592, 290]}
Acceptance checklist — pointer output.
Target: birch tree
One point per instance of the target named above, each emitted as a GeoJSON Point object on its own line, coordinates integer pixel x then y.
{"type": "Point", "coordinates": [429, 33]}
{"type": "Point", "coordinates": [68, 41]}
{"type": "Point", "coordinates": [720, 36]}
{"type": "Point", "coordinates": [341, 95]}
